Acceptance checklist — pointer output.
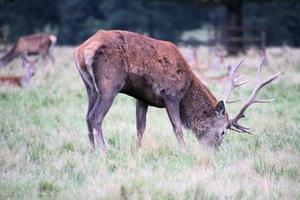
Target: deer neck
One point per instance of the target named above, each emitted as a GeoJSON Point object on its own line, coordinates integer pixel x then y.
{"type": "Point", "coordinates": [9, 56]}
{"type": "Point", "coordinates": [197, 106]}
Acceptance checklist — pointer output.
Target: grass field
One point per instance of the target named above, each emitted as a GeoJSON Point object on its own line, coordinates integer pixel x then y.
{"type": "Point", "coordinates": [45, 152]}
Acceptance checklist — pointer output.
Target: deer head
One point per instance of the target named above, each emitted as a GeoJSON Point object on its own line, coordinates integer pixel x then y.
{"type": "Point", "coordinates": [30, 68]}
{"type": "Point", "coordinates": [222, 121]}
{"type": "Point", "coordinates": [211, 129]}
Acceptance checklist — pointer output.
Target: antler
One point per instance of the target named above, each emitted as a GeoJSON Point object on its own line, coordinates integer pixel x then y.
{"type": "Point", "coordinates": [233, 82]}
{"type": "Point", "coordinates": [233, 124]}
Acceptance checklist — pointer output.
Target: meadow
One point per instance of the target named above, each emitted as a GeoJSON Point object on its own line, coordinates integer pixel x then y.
{"type": "Point", "coordinates": [45, 152]}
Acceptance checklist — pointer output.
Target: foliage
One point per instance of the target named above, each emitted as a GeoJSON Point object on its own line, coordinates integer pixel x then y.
{"type": "Point", "coordinates": [74, 21]}
{"type": "Point", "coordinates": [280, 20]}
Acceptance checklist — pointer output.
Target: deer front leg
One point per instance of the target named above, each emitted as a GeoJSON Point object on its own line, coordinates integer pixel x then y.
{"type": "Point", "coordinates": [172, 106]}
{"type": "Point", "coordinates": [141, 112]}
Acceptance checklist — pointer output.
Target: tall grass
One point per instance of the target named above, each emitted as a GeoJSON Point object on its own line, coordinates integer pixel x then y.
{"type": "Point", "coordinates": [45, 153]}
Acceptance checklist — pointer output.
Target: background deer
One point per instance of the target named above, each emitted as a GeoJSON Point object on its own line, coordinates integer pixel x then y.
{"type": "Point", "coordinates": [192, 58]}
{"type": "Point", "coordinates": [36, 44]}
{"type": "Point", "coordinates": [218, 57]}
{"type": "Point", "coordinates": [21, 81]}
{"type": "Point", "coordinates": [217, 79]}
{"type": "Point", "coordinates": [156, 74]}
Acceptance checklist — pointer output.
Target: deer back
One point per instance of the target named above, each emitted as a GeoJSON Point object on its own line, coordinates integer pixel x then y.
{"type": "Point", "coordinates": [159, 63]}
{"type": "Point", "coordinates": [34, 44]}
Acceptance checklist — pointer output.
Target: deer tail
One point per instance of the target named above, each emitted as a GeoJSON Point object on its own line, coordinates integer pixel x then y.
{"type": "Point", "coordinates": [53, 40]}
{"type": "Point", "coordinates": [83, 63]}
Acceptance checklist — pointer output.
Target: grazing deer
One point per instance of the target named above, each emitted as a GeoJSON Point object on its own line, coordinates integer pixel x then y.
{"type": "Point", "coordinates": [192, 58]}
{"type": "Point", "coordinates": [217, 79]}
{"type": "Point", "coordinates": [219, 54]}
{"type": "Point", "coordinates": [36, 44]}
{"type": "Point", "coordinates": [21, 81]}
{"type": "Point", "coordinates": [156, 74]}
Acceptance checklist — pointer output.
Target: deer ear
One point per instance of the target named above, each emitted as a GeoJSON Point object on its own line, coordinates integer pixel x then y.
{"type": "Point", "coordinates": [220, 108]}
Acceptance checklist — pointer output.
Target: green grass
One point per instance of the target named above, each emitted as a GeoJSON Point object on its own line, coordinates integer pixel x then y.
{"type": "Point", "coordinates": [45, 152]}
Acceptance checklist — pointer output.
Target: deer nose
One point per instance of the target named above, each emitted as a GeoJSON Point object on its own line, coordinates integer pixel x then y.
{"type": "Point", "coordinates": [32, 73]}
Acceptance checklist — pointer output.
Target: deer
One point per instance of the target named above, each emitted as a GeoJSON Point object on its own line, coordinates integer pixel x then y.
{"type": "Point", "coordinates": [219, 54]}
{"type": "Point", "coordinates": [155, 73]}
{"type": "Point", "coordinates": [217, 79]}
{"type": "Point", "coordinates": [36, 44]}
{"type": "Point", "coordinates": [192, 57]}
{"type": "Point", "coordinates": [21, 81]}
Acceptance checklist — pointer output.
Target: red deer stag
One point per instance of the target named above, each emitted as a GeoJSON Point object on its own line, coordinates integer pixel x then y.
{"type": "Point", "coordinates": [156, 74]}
{"type": "Point", "coordinates": [36, 44]}
{"type": "Point", "coordinates": [21, 81]}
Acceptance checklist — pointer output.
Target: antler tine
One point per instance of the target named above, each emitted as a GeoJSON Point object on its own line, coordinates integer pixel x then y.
{"type": "Point", "coordinates": [232, 101]}
{"type": "Point", "coordinates": [241, 129]}
{"type": "Point", "coordinates": [269, 80]}
{"type": "Point", "coordinates": [239, 78]}
{"type": "Point", "coordinates": [253, 99]}
{"type": "Point", "coordinates": [233, 82]}
{"type": "Point", "coordinates": [236, 67]}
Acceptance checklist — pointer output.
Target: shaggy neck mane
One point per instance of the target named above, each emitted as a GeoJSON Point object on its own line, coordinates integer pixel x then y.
{"type": "Point", "coordinates": [197, 107]}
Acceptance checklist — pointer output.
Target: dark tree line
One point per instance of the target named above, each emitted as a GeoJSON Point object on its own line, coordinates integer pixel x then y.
{"type": "Point", "coordinates": [74, 21]}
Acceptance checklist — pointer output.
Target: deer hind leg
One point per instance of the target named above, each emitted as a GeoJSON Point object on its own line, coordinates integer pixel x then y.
{"type": "Point", "coordinates": [108, 77]}
{"type": "Point", "coordinates": [49, 56]}
{"type": "Point", "coordinates": [45, 59]}
{"type": "Point", "coordinates": [97, 114]}
{"type": "Point", "coordinates": [92, 97]}
{"type": "Point", "coordinates": [96, 109]}
{"type": "Point", "coordinates": [141, 112]}
{"type": "Point", "coordinates": [107, 89]}
{"type": "Point", "coordinates": [172, 106]}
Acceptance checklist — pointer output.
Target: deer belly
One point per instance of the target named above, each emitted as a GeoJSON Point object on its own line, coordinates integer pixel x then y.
{"type": "Point", "coordinates": [141, 90]}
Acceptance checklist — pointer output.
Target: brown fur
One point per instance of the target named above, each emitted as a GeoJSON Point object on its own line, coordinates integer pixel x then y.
{"type": "Point", "coordinates": [11, 80]}
{"type": "Point", "coordinates": [36, 44]}
{"type": "Point", "coordinates": [152, 71]}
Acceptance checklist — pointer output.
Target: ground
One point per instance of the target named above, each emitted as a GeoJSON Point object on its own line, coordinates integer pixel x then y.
{"type": "Point", "coordinates": [45, 152]}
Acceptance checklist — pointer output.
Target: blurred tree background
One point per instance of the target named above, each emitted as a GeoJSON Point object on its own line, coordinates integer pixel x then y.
{"type": "Point", "coordinates": [76, 20]}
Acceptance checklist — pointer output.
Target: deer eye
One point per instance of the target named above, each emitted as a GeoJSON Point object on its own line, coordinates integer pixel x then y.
{"type": "Point", "coordinates": [223, 132]}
